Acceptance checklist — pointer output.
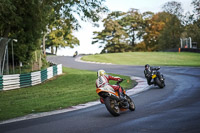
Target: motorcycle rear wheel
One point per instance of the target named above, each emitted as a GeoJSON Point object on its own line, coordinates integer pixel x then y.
{"type": "Point", "coordinates": [111, 106]}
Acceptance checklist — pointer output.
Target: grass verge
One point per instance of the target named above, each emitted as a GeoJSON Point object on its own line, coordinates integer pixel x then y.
{"type": "Point", "coordinates": [72, 88]}
{"type": "Point", "coordinates": [152, 58]}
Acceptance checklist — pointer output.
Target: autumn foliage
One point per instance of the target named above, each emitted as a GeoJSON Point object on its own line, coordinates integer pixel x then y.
{"type": "Point", "coordinates": [136, 31]}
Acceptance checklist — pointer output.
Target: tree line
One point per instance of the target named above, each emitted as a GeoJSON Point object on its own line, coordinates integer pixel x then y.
{"type": "Point", "coordinates": [39, 24]}
{"type": "Point", "coordinates": [148, 31]}
{"type": "Point", "coordinates": [44, 23]}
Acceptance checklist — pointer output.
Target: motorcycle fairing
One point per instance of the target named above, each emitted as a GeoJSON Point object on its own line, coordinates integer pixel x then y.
{"type": "Point", "coordinates": [153, 76]}
{"type": "Point", "coordinates": [102, 89]}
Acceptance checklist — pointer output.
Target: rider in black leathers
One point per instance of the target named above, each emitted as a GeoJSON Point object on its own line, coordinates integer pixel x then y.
{"type": "Point", "coordinates": [148, 71]}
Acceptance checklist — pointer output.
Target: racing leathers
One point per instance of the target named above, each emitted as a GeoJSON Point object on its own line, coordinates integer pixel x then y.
{"type": "Point", "coordinates": [147, 73]}
{"type": "Point", "coordinates": [103, 81]}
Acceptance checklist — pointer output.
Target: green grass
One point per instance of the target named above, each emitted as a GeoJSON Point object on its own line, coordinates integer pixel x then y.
{"type": "Point", "coordinates": [152, 58]}
{"type": "Point", "coordinates": [72, 88]}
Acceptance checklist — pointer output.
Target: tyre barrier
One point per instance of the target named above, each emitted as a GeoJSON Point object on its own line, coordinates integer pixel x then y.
{"type": "Point", "coordinates": [14, 81]}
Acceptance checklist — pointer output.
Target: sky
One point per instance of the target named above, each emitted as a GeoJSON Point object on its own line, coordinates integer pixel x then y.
{"type": "Point", "coordinates": [85, 34]}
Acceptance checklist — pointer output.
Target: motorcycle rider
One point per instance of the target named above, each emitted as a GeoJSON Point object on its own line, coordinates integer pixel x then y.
{"type": "Point", "coordinates": [75, 54]}
{"type": "Point", "coordinates": [103, 81]}
{"type": "Point", "coordinates": [148, 71]}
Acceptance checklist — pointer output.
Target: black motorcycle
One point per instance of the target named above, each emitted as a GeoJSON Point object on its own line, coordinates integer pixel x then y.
{"type": "Point", "coordinates": [157, 77]}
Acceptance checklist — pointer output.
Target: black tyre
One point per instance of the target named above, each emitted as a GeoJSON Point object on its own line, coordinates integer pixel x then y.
{"type": "Point", "coordinates": [131, 103]}
{"type": "Point", "coordinates": [159, 83]}
{"type": "Point", "coordinates": [112, 106]}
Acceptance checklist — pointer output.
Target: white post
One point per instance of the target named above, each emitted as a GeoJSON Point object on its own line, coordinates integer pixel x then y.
{"type": "Point", "coordinates": [13, 60]}
{"type": "Point", "coordinates": [181, 42]}
{"type": "Point", "coordinates": [7, 63]}
{"type": "Point", "coordinates": [13, 57]}
{"type": "Point", "coordinates": [187, 42]}
{"type": "Point", "coordinates": [190, 42]}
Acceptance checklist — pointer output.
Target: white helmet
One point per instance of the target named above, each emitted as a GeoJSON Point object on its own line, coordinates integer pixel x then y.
{"type": "Point", "coordinates": [101, 73]}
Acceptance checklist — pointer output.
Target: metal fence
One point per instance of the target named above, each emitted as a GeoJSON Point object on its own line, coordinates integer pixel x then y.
{"type": "Point", "coordinates": [9, 82]}
{"type": "Point", "coordinates": [4, 59]}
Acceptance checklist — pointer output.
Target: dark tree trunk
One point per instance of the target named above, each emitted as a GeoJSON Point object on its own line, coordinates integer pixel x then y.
{"type": "Point", "coordinates": [133, 40]}
{"type": "Point", "coordinates": [44, 48]}
{"type": "Point", "coordinates": [52, 50]}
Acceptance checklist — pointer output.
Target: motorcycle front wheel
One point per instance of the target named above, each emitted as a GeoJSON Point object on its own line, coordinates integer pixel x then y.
{"type": "Point", "coordinates": [131, 103]}
{"type": "Point", "coordinates": [112, 106]}
{"type": "Point", "coordinates": [159, 83]}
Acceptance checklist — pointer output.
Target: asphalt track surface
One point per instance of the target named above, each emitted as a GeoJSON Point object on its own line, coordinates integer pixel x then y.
{"type": "Point", "coordinates": [176, 108]}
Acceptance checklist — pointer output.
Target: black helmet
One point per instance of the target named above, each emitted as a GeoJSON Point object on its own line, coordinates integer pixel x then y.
{"type": "Point", "coordinates": [147, 66]}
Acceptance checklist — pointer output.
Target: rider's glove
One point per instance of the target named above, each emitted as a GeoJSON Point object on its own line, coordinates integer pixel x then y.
{"type": "Point", "coordinates": [120, 79]}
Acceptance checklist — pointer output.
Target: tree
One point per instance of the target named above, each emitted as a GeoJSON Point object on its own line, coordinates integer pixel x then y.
{"type": "Point", "coordinates": [22, 23]}
{"type": "Point", "coordinates": [196, 4]}
{"type": "Point", "coordinates": [170, 36]}
{"type": "Point", "coordinates": [122, 29]}
{"type": "Point", "coordinates": [60, 35]}
{"type": "Point", "coordinates": [87, 10]}
{"type": "Point", "coordinates": [26, 21]}
{"type": "Point", "coordinates": [153, 29]}
{"type": "Point", "coordinates": [171, 33]}
{"type": "Point", "coordinates": [174, 8]}
{"type": "Point", "coordinates": [133, 23]}
{"type": "Point", "coordinates": [192, 27]}
{"type": "Point", "coordinates": [113, 34]}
